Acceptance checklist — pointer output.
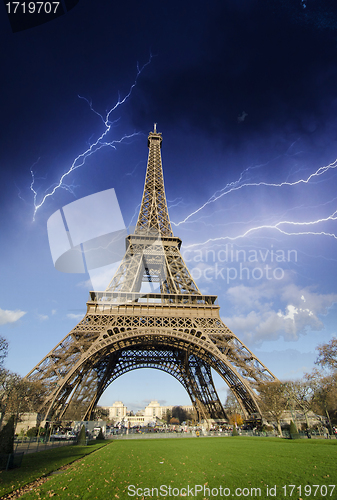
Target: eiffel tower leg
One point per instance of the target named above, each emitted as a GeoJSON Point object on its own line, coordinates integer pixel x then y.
{"type": "Point", "coordinates": [210, 397]}
{"type": "Point", "coordinates": [200, 386]}
{"type": "Point", "coordinates": [74, 399]}
{"type": "Point", "coordinates": [191, 385]}
{"type": "Point", "coordinates": [104, 374]}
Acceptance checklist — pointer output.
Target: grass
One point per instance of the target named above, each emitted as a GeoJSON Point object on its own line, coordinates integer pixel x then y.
{"type": "Point", "coordinates": [35, 465]}
{"type": "Point", "coordinates": [117, 470]}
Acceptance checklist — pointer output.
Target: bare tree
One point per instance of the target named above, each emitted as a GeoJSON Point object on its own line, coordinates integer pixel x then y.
{"type": "Point", "coordinates": [232, 407]}
{"type": "Point", "coordinates": [273, 401]}
{"type": "Point", "coordinates": [3, 351]}
{"type": "Point", "coordinates": [18, 395]}
{"type": "Point", "coordinates": [100, 413]}
{"type": "Point", "coordinates": [8, 380]}
{"type": "Point", "coordinates": [324, 394]}
{"type": "Point", "coordinates": [327, 354]}
{"type": "Point", "coordinates": [301, 396]}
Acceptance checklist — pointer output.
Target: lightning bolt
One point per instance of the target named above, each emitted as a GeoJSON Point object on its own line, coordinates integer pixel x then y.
{"type": "Point", "coordinates": [100, 143]}
{"type": "Point", "coordinates": [174, 203]}
{"type": "Point", "coordinates": [284, 226]}
{"type": "Point", "coordinates": [135, 214]}
{"type": "Point", "coordinates": [237, 185]}
{"type": "Point", "coordinates": [211, 216]}
{"type": "Point", "coordinates": [277, 227]}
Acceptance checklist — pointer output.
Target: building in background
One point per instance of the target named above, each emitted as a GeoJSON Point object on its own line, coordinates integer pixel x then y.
{"type": "Point", "coordinates": [153, 413]}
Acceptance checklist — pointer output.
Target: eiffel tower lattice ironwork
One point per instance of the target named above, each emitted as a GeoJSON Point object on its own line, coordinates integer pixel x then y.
{"type": "Point", "coordinates": [174, 328]}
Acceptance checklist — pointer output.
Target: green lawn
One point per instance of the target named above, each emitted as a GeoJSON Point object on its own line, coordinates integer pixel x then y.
{"type": "Point", "coordinates": [254, 465]}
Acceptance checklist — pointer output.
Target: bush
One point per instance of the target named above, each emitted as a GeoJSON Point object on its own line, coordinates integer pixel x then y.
{"type": "Point", "coordinates": [81, 440]}
{"type": "Point", "coordinates": [32, 432]}
{"type": "Point", "coordinates": [7, 437]}
{"type": "Point", "coordinates": [293, 431]}
{"type": "Point", "coordinates": [267, 428]}
{"type": "Point", "coordinates": [100, 435]}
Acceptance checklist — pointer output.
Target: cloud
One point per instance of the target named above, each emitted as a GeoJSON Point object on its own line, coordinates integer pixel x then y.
{"type": "Point", "coordinates": [75, 316]}
{"type": "Point", "coordinates": [267, 313]}
{"type": "Point", "coordinates": [162, 402]}
{"type": "Point", "coordinates": [43, 317]}
{"type": "Point", "coordinates": [7, 316]}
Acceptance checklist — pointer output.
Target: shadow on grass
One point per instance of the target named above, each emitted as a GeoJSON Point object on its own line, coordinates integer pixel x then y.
{"type": "Point", "coordinates": [42, 463]}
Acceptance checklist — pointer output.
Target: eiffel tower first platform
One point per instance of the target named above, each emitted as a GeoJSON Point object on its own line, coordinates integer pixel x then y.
{"type": "Point", "coordinates": [176, 329]}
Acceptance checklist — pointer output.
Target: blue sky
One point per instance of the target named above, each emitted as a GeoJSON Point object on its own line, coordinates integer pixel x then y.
{"type": "Point", "coordinates": [245, 98]}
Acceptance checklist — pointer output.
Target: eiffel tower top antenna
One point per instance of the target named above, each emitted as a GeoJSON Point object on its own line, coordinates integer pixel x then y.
{"type": "Point", "coordinates": [153, 214]}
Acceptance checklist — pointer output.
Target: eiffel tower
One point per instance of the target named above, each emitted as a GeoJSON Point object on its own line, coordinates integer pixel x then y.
{"type": "Point", "coordinates": [173, 327]}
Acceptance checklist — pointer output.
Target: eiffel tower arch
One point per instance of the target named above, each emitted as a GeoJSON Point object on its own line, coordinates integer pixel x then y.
{"type": "Point", "coordinates": [152, 315]}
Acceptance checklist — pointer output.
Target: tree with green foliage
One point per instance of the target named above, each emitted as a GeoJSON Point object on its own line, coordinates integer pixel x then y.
{"type": "Point", "coordinates": [167, 417]}
{"type": "Point", "coordinates": [81, 440]}
{"type": "Point", "coordinates": [7, 436]}
{"type": "Point", "coordinates": [179, 413]}
{"type": "Point", "coordinates": [32, 432]}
